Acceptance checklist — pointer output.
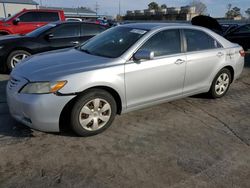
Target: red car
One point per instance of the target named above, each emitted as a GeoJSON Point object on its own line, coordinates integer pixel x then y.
{"type": "Point", "coordinates": [29, 20]}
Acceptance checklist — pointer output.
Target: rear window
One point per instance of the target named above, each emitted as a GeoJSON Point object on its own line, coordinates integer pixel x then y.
{"type": "Point", "coordinates": [48, 16]}
{"type": "Point", "coordinates": [199, 40]}
{"type": "Point", "coordinates": [243, 29]}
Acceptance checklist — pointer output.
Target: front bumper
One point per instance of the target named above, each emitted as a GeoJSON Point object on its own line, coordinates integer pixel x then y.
{"type": "Point", "coordinates": [40, 112]}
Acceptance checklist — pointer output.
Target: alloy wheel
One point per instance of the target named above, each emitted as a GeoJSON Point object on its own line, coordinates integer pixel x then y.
{"type": "Point", "coordinates": [17, 58]}
{"type": "Point", "coordinates": [222, 84]}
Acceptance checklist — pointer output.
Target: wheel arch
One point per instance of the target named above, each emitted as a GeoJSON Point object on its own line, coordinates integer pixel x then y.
{"type": "Point", "coordinates": [64, 119]}
{"type": "Point", "coordinates": [3, 32]}
{"type": "Point", "coordinates": [231, 69]}
{"type": "Point", "coordinates": [19, 48]}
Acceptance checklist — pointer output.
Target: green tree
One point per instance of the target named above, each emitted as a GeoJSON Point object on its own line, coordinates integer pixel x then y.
{"type": "Point", "coordinates": [200, 7]}
{"type": "Point", "coordinates": [153, 6]}
{"type": "Point", "coordinates": [234, 12]}
{"type": "Point", "coordinates": [164, 6]}
{"type": "Point", "coordinates": [248, 12]}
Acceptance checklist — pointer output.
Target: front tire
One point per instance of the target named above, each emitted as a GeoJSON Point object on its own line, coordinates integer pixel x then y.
{"type": "Point", "coordinates": [93, 112]}
{"type": "Point", "coordinates": [221, 84]}
{"type": "Point", "coordinates": [15, 57]}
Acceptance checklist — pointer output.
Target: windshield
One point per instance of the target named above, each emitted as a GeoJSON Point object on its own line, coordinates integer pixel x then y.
{"type": "Point", "coordinates": [40, 30]}
{"type": "Point", "coordinates": [114, 42]}
{"type": "Point", "coordinates": [9, 18]}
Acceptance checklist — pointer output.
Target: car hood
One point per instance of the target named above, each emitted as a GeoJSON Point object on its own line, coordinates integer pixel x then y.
{"type": "Point", "coordinates": [55, 64]}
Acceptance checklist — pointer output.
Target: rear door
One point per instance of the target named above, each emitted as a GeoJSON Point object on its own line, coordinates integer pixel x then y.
{"type": "Point", "coordinates": [90, 30]}
{"type": "Point", "coordinates": [204, 56]}
{"type": "Point", "coordinates": [64, 36]}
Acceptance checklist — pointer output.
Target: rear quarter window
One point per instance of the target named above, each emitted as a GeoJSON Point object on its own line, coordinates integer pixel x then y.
{"type": "Point", "coordinates": [199, 40]}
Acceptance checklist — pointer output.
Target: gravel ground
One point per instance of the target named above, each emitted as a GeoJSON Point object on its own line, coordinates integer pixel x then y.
{"type": "Point", "coordinates": [193, 142]}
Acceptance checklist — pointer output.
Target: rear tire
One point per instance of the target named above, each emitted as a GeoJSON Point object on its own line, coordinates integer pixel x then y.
{"type": "Point", "coordinates": [221, 84]}
{"type": "Point", "coordinates": [93, 112]}
{"type": "Point", "coordinates": [15, 57]}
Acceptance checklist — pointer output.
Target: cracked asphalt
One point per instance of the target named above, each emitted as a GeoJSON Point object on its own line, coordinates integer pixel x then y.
{"type": "Point", "coordinates": [193, 142]}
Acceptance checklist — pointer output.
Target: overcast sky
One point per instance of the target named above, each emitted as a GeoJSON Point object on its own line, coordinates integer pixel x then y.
{"type": "Point", "coordinates": [216, 8]}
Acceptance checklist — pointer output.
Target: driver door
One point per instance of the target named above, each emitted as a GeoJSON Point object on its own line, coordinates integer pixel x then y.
{"type": "Point", "coordinates": [28, 21]}
{"type": "Point", "coordinates": [64, 36]}
{"type": "Point", "coordinates": [151, 81]}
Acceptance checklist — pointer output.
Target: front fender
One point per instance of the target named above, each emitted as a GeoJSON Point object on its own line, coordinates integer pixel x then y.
{"type": "Point", "coordinates": [111, 77]}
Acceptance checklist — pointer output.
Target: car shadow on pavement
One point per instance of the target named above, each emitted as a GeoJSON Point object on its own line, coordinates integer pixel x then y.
{"type": "Point", "coordinates": [247, 61]}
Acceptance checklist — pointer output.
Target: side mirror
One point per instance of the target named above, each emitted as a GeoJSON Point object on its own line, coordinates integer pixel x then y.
{"type": "Point", "coordinates": [144, 55]}
{"type": "Point", "coordinates": [49, 36]}
{"type": "Point", "coordinates": [16, 21]}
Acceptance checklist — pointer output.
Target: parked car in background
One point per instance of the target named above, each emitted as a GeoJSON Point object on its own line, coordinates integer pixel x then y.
{"type": "Point", "coordinates": [53, 36]}
{"type": "Point", "coordinates": [29, 20]}
{"type": "Point", "coordinates": [126, 68]}
{"type": "Point", "coordinates": [240, 35]}
{"type": "Point", "coordinates": [74, 19]}
{"type": "Point", "coordinates": [228, 27]}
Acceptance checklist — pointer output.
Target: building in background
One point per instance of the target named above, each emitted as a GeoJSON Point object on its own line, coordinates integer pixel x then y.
{"type": "Point", "coordinates": [185, 13]}
{"type": "Point", "coordinates": [11, 7]}
{"type": "Point", "coordinates": [83, 13]}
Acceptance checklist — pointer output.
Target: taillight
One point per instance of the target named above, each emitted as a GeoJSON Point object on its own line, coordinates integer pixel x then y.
{"type": "Point", "coordinates": [242, 53]}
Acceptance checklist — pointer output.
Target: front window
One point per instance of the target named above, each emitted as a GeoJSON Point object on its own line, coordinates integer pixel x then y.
{"type": "Point", "coordinates": [114, 42]}
{"type": "Point", "coordinates": [11, 17]}
{"type": "Point", "coordinates": [66, 31]}
{"type": "Point", "coordinates": [166, 42]}
{"type": "Point", "coordinates": [40, 30]}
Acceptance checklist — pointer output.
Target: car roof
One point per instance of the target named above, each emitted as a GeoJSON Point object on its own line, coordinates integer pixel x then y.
{"type": "Point", "coordinates": [153, 26]}
{"type": "Point", "coordinates": [70, 22]}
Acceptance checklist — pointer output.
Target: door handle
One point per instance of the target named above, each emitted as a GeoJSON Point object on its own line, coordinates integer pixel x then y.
{"type": "Point", "coordinates": [75, 42]}
{"type": "Point", "coordinates": [220, 54]}
{"type": "Point", "coordinates": [179, 61]}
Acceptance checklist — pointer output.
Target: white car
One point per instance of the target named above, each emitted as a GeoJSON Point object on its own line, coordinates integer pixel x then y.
{"type": "Point", "coordinates": [74, 19]}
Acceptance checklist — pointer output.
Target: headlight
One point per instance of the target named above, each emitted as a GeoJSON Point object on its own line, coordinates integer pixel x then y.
{"type": "Point", "coordinates": [1, 47]}
{"type": "Point", "coordinates": [43, 87]}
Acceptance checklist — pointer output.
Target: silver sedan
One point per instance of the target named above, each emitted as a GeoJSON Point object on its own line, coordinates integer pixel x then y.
{"type": "Point", "coordinates": [123, 69]}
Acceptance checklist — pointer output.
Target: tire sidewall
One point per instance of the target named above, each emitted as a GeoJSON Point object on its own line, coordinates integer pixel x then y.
{"type": "Point", "coordinates": [81, 101]}
{"type": "Point", "coordinates": [12, 54]}
{"type": "Point", "coordinates": [212, 90]}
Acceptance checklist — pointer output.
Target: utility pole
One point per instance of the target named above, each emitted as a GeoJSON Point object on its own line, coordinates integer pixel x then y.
{"type": "Point", "coordinates": [119, 7]}
{"type": "Point", "coordinates": [96, 8]}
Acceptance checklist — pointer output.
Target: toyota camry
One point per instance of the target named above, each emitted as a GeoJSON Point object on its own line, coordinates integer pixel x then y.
{"type": "Point", "coordinates": [123, 69]}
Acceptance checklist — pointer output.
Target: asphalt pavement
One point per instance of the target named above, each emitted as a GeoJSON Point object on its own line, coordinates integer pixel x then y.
{"type": "Point", "coordinates": [193, 142]}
